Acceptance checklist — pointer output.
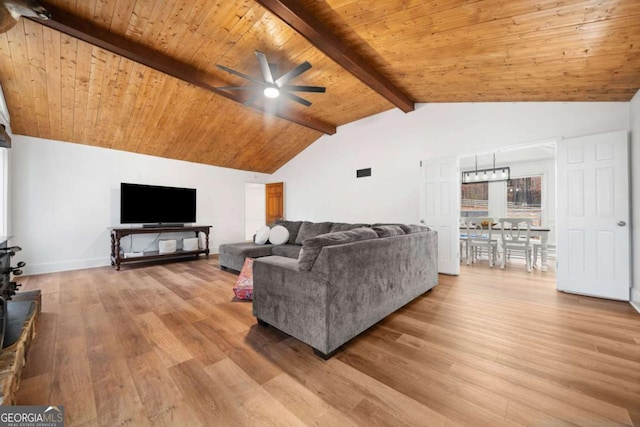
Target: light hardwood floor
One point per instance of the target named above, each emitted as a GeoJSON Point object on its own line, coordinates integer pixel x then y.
{"type": "Point", "coordinates": [166, 345]}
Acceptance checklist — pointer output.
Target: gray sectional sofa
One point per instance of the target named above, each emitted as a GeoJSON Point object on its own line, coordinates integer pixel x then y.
{"type": "Point", "coordinates": [332, 281]}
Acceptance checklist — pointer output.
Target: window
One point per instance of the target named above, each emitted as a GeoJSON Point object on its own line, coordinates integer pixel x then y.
{"type": "Point", "coordinates": [524, 198]}
{"type": "Point", "coordinates": [475, 200]}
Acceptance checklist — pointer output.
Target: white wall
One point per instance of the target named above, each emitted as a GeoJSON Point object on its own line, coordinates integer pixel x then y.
{"type": "Point", "coordinates": [255, 209]}
{"type": "Point", "coordinates": [65, 196]}
{"type": "Point", "coordinates": [321, 181]}
{"type": "Point", "coordinates": [635, 197]}
{"type": "Point", "coordinates": [497, 203]}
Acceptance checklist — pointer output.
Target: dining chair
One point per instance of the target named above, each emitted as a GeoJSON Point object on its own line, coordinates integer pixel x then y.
{"type": "Point", "coordinates": [537, 248]}
{"type": "Point", "coordinates": [464, 241]}
{"type": "Point", "coordinates": [480, 235]}
{"type": "Point", "coordinates": [464, 244]}
{"type": "Point", "coordinates": [516, 237]}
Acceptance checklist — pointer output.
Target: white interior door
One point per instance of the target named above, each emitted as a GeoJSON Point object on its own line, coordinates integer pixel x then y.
{"type": "Point", "coordinates": [440, 209]}
{"type": "Point", "coordinates": [593, 215]}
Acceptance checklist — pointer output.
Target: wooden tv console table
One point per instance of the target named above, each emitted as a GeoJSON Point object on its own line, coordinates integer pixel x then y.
{"type": "Point", "coordinates": [117, 233]}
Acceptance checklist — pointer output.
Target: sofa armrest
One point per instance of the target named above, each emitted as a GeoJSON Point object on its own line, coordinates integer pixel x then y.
{"type": "Point", "coordinates": [292, 300]}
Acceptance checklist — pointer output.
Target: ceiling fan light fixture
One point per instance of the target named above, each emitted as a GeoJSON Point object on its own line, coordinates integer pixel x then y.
{"type": "Point", "coordinates": [271, 92]}
{"type": "Point", "coordinates": [272, 87]}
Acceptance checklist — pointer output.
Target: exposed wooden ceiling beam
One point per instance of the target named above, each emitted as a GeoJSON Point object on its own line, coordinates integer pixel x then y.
{"type": "Point", "coordinates": [86, 31]}
{"type": "Point", "coordinates": [298, 18]}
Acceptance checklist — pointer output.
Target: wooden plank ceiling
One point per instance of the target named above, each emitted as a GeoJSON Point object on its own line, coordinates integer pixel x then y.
{"type": "Point", "coordinates": [61, 88]}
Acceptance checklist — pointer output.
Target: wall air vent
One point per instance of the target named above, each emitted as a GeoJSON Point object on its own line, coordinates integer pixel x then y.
{"type": "Point", "coordinates": [361, 173]}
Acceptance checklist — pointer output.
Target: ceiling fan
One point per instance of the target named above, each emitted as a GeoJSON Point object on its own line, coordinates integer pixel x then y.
{"type": "Point", "coordinates": [272, 86]}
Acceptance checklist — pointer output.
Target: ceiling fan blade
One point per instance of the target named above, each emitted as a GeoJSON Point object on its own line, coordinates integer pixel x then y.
{"type": "Point", "coordinates": [304, 88]}
{"type": "Point", "coordinates": [240, 87]}
{"type": "Point", "coordinates": [264, 67]}
{"type": "Point", "coordinates": [293, 73]}
{"type": "Point", "coordinates": [295, 98]}
{"type": "Point", "coordinates": [251, 99]}
{"type": "Point", "coordinates": [239, 74]}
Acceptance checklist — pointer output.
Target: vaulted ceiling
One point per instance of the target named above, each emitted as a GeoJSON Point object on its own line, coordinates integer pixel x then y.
{"type": "Point", "coordinates": [140, 75]}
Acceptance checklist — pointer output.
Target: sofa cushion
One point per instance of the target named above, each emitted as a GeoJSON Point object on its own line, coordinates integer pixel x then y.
{"type": "Point", "coordinates": [388, 230]}
{"type": "Point", "coordinates": [292, 226]}
{"type": "Point", "coordinates": [245, 249]}
{"type": "Point", "coordinates": [262, 235]}
{"type": "Point", "coordinates": [407, 228]}
{"type": "Point", "coordinates": [413, 228]}
{"type": "Point", "coordinates": [312, 229]}
{"type": "Point", "coordinates": [289, 251]}
{"type": "Point", "coordinates": [312, 246]}
{"type": "Point", "coordinates": [278, 235]}
{"type": "Point", "coordinates": [342, 226]}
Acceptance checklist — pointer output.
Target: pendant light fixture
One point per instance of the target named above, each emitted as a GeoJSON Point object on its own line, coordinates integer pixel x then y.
{"type": "Point", "coordinates": [486, 175]}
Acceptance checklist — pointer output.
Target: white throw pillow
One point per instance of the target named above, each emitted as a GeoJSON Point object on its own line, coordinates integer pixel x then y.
{"type": "Point", "coordinates": [262, 235]}
{"type": "Point", "coordinates": [278, 235]}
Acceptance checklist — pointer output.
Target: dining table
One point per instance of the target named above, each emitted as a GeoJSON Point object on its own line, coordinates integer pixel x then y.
{"type": "Point", "coordinates": [536, 231]}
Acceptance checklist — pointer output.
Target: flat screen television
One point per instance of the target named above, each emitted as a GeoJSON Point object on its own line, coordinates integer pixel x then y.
{"type": "Point", "coordinates": [152, 204]}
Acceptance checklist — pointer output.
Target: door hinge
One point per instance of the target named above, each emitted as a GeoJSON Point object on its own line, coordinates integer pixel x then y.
{"type": "Point", "coordinates": [420, 163]}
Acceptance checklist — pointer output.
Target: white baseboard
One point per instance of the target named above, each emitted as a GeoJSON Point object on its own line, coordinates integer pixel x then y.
{"type": "Point", "coordinates": [54, 267]}
{"type": "Point", "coordinates": [635, 299]}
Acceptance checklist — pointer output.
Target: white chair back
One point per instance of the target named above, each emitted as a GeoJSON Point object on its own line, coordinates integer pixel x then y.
{"type": "Point", "coordinates": [515, 231]}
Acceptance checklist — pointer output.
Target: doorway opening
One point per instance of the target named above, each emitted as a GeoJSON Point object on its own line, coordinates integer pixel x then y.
{"type": "Point", "coordinates": [530, 192]}
{"type": "Point", "coordinates": [254, 208]}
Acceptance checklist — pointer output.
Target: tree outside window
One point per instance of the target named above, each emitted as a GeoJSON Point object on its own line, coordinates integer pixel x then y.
{"type": "Point", "coordinates": [524, 198]}
{"type": "Point", "coordinates": [474, 200]}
